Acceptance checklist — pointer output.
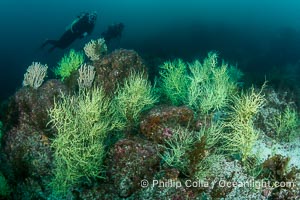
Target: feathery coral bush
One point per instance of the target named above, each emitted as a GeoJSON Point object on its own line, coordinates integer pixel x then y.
{"type": "Point", "coordinates": [210, 84]}
{"type": "Point", "coordinates": [241, 134]}
{"type": "Point", "coordinates": [285, 123]}
{"type": "Point", "coordinates": [82, 122]}
{"type": "Point", "coordinates": [174, 81]}
{"type": "Point", "coordinates": [135, 96]}
{"type": "Point", "coordinates": [176, 148]}
{"type": "Point", "coordinates": [35, 75]}
{"type": "Point", "coordinates": [212, 133]}
{"type": "Point", "coordinates": [204, 86]}
{"type": "Point", "coordinates": [95, 49]}
{"type": "Point", "coordinates": [86, 76]}
{"type": "Point", "coordinates": [69, 63]}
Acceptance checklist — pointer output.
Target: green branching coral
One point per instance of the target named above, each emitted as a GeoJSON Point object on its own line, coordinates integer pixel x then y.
{"type": "Point", "coordinates": [69, 63]}
{"type": "Point", "coordinates": [174, 81]}
{"type": "Point", "coordinates": [241, 139]}
{"type": "Point", "coordinates": [212, 134]}
{"type": "Point", "coordinates": [135, 96]}
{"type": "Point", "coordinates": [241, 134]}
{"type": "Point", "coordinates": [204, 86]}
{"type": "Point", "coordinates": [285, 123]}
{"type": "Point", "coordinates": [246, 105]}
{"type": "Point", "coordinates": [176, 148]}
{"type": "Point", "coordinates": [210, 84]}
{"type": "Point", "coordinates": [192, 152]}
{"type": "Point", "coordinates": [82, 122]}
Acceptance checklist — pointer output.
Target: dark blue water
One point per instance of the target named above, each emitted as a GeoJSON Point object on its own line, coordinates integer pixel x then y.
{"type": "Point", "coordinates": [259, 35]}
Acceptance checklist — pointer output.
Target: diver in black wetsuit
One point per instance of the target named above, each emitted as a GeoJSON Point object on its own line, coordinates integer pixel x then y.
{"type": "Point", "coordinates": [113, 31]}
{"type": "Point", "coordinates": [82, 26]}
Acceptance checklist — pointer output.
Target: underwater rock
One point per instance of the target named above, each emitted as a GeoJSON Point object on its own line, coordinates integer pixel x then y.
{"type": "Point", "coordinates": [158, 122]}
{"type": "Point", "coordinates": [166, 185]}
{"type": "Point", "coordinates": [115, 67]}
{"type": "Point", "coordinates": [131, 161]}
{"type": "Point", "coordinates": [275, 170]}
{"type": "Point", "coordinates": [111, 69]}
{"type": "Point", "coordinates": [26, 156]}
{"type": "Point", "coordinates": [29, 106]}
{"type": "Point", "coordinates": [276, 102]}
{"type": "Point", "coordinates": [26, 145]}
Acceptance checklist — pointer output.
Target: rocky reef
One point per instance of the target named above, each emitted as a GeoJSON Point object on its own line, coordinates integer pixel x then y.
{"type": "Point", "coordinates": [173, 152]}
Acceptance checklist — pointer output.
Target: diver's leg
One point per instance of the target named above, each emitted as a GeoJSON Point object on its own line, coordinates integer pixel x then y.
{"type": "Point", "coordinates": [53, 42]}
{"type": "Point", "coordinates": [52, 48]}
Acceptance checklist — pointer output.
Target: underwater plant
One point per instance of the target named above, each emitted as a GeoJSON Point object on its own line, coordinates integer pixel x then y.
{"type": "Point", "coordinates": [174, 81]}
{"type": "Point", "coordinates": [176, 148]}
{"type": "Point", "coordinates": [190, 151]}
{"type": "Point", "coordinates": [203, 156]}
{"type": "Point", "coordinates": [69, 63]}
{"type": "Point", "coordinates": [203, 86]}
{"type": "Point", "coordinates": [34, 77]}
{"type": "Point", "coordinates": [82, 122]}
{"type": "Point", "coordinates": [212, 133]}
{"type": "Point", "coordinates": [241, 135]}
{"type": "Point", "coordinates": [210, 84]}
{"type": "Point", "coordinates": [135, 96]}
{"type": "Point", "coordinates": [285, 123]}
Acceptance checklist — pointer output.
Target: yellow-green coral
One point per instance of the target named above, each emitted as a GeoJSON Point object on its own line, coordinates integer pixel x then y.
{"type": "Point", "coordinates": [69, 63]}
{"type": "Point", "coordinates": [240, 139]}
{"type": "Point", "coordinates": [246, 105]}
{"type": "Point", "coordinates": [285, 123]}
{"type": "Point", "coordinates": [212, 134]}
{"type": "Point", "coordinates": [82, 122]}
{"type": "Point", "coordinates": [174, 81]}
{"type": "Point", "coordinates": [241, 134]}
{"type": "Point", "coordinates": [176, 148]}
{"type": "Point", "coordinates": [135, 96]}
{"type": "Point", "coordinates": [204, 86]}
{"type": "Point", "coordinates": [210, 84]}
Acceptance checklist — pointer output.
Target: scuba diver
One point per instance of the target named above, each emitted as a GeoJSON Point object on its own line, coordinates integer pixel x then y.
{"type": "Point", "coordinates": [113, 31]}
{"type": "Point", "coordinates": [82, 26]}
